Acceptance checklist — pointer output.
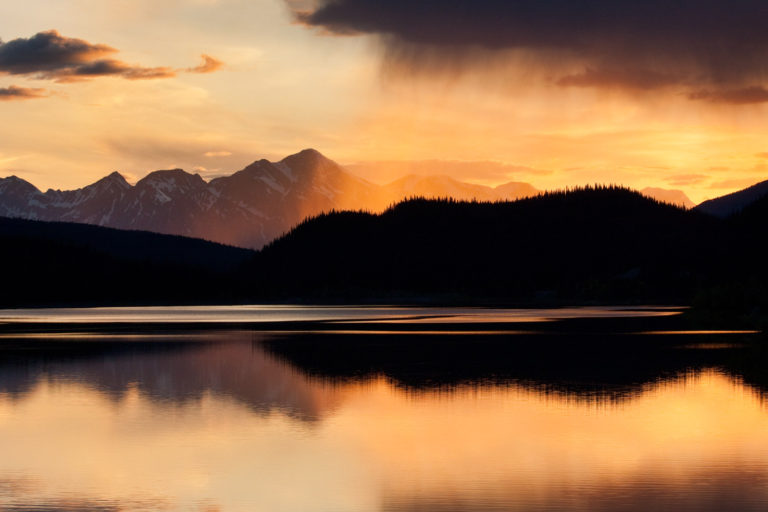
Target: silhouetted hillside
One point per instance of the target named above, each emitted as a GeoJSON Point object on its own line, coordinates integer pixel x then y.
{"type": "Point", "coordinates": [51, 263]}
{"type": "Point", "coordinates": [730, 204]}
{"type": "Point", "coordinates": [739, 285]}
{"type": "Point", "coordinates": [602, 243]}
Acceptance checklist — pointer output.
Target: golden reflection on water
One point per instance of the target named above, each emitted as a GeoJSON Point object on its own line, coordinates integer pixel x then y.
{"type": "Point", "coordinates": [229, 428]}
{"type": "Point", "coordinates": [337, 314]}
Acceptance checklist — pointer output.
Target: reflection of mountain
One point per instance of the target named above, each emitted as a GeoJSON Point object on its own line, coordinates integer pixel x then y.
{"type": "Point", "coordinates": [303, 374]}
{"type": "Point", "coordinates": [177, 371]}
{"type": "Point", "coordinates": [573, 360]}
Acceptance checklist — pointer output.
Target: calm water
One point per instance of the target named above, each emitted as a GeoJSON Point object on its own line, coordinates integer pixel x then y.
{"type": "Point", "coordinates": [577, 417]}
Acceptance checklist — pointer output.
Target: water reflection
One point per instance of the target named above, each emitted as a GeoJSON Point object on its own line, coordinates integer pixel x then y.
{"type": "Point", "coordinates": [326, 422]}
{"type": "Point", "coordinates": [178, 369]}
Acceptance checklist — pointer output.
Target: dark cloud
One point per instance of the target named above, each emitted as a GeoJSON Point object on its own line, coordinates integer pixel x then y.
{"type": "Point", "coordinates": [209, 65]}
{"type": "Point", "coordinates": [47, 52]}
{"type": "Point", "coordinates": [740, 96]}
{"type": "Point", "coordinates": [21, 93]}
{"type": "Point", "coordinates": [714, 44]}
{"type": "Point", "coordinates": [111, 67]}
{"type": "Point", "coordinates": [51, 56]}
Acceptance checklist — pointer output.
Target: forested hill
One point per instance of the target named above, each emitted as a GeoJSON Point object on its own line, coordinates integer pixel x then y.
{"type": "Point", "coordinates": [594, 243]}
{"type": "Point", "coordinates": [58, 263]}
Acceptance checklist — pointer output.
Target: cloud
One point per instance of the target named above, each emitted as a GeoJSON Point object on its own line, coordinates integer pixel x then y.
{"type": "Point", "coordinates": [639, 79]}
{"type": "Point", "coordinates": [48, 52]}
{"type": "Point", "coordinates": [209, 65]}
{"type": "Point", "coordinates": [686, 179]}
{"type": "Point", "coordinates": [50, 56]}
{"type": "Point", "coordinates": [111, 67]}
{"type": "Point", "coordinates": [741, 96]}
{"type": "Point", "coordinates": [21, 93]}
{"type": "Point", "coordinates": [762, 155]}
{"type": "Point", "coordinates": [651, 42]}
{"type": "Point", "coordinates": [217, 153]}
{"type": "Point", "coordinates": [736, 183]}
{"type": "Point", "coordinates": [488, 171]}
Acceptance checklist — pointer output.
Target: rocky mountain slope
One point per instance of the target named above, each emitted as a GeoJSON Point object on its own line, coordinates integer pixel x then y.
{"type": "Point", "coordinates": [247, 209]}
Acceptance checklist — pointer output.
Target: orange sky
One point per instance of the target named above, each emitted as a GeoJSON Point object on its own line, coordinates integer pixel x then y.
{"type": "Point", "coordinates": [282, 86]}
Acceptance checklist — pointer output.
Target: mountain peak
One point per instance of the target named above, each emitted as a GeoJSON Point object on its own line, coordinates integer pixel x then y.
{"type": "Point", "coordinates": [172, 175]}
{"type": "Point", "coordinates": [13, 179]}
{"type": "Point", "coordinates": [257, 166]}
{"type": "Point", "coordinates": [114, 178]}
{"type": "Point", "coordinates": [17, 185]}
{"type": "Point", "coordinates": [677, 197]}
{"type": "Point", "coordinates": [307, 156]}
{"type": "Point", "coordinates": [172, 182]}
{"type": "Point", "coordinates": [309, 152]}
{"type": "Point", "coordinates": [310, 164]}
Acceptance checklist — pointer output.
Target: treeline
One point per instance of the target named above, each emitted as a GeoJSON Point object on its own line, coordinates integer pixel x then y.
{"type": "Point", "coordinates": [594, 243]}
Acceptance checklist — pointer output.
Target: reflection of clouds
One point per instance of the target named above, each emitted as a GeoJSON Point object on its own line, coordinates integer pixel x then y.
{"type": "Point", "coordinates": [138, 454]}
{"type": "Point", "coordinates": [694, 444]}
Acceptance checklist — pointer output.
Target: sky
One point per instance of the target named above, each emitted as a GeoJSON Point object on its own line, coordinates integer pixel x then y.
{"type": "Point", "coordinates": [555, 93]}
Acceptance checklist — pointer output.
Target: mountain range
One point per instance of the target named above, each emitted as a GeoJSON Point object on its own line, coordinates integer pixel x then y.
{"type": "Point", "coordinates": [249, 208]}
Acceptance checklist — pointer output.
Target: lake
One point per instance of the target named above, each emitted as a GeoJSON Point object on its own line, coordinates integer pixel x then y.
{"type": "Point", "coordinates": [292, 408]}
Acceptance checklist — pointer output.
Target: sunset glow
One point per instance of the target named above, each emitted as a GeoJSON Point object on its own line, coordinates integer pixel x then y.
{"type": "Point", "coordinates": [212, 85]}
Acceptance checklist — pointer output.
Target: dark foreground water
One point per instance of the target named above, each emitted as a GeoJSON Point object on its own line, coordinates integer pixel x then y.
{"type": "Point", "coordinates": [379, 409]}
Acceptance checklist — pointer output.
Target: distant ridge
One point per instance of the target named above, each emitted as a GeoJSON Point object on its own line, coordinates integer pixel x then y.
{"type": "Point", "coordinates": [729, 204]}
{"type": "Point", "coordinates": [677, 197]}
{"type": "Point", "coordinates": [56, 263]}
